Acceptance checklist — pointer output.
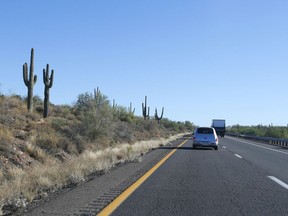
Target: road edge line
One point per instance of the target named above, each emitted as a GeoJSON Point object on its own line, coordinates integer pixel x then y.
{"type": "Point", "coordinates": [110, 208]}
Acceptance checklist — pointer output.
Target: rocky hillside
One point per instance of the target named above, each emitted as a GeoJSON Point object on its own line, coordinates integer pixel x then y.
{"type": "Point", "coordinates": [41, 155]}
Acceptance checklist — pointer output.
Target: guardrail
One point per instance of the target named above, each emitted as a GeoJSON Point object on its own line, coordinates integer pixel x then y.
{"type": "Point", "coordinates": [272, 141]}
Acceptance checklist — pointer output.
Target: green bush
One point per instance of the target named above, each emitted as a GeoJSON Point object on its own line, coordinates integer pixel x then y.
{"type": "Point", "coordinates": [95, 124]}
{"type": "Point", "coordinates": [261, 131]}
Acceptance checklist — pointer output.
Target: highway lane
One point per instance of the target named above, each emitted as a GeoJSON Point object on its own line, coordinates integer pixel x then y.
{"type": "Point", "coordinates": [231, 181]}
{"type": "Point", "coordinates": [272, 159]}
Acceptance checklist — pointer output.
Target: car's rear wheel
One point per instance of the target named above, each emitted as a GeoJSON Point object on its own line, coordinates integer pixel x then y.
{"type": "Point", "coordinates": [193, 146]}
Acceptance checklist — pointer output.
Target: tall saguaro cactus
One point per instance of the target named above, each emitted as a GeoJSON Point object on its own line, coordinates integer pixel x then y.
{"type": "Point", "coordinates": [145, 109]}
{"type": "Point", "coordinates": [29, 82]}
{"type": "Point", "coordinates": [156, 115]}
{"type": "Point", "coordinates": [48, 82]}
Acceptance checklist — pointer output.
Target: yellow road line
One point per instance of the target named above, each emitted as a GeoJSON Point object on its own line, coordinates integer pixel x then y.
{"type": "Point", "coordinates": [117, 202]}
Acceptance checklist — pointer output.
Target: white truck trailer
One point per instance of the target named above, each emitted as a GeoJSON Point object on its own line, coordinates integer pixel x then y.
{"type": "Point", "coordinates": [219, 126]}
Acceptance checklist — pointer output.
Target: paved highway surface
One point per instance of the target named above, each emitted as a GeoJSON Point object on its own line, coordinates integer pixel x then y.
{"type": "Point", "coordinates": [241, 178]}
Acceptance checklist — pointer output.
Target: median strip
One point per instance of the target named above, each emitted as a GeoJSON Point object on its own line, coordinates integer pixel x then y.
{"type": "Point", "coordinates": [123, 196]}
{"type": "Point", "coordinates": [278, 181]}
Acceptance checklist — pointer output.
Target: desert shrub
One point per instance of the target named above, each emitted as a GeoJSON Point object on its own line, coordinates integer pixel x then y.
{"type": "Point", "coordinates": [87, 101]}
{"type": "Point", "coordinates": [47, 138]}
{"type": "Point", "coordinates": [171, 125]}
{"type": "Point", "coordinates": [59, 123]}
{"type": "Point", "coordinates": [9, 110]}
{"type": "Point", "coordinates": [189, 126]}
{"type": "Point", "coordinates": [95, 124]}
{"type": "Point", "coordinates": [5, 133]}
{"type": "Point", "coordinates": [32, 117]}
{"type": "Point", "coordinates": [63, 111]}
{"type": "Point", "coordinates": [123, 132]}
{"type": "Point", "coordinates": [66, 145]}
{"type": "Point", "coordinates": [35, 152]}
{"type": "Point", "coordinates": [79, 143]}
{"type": "Point", "coordinates": [94, 114]}
{"type": "Point", "coordinates": [84, 102]}
{"type": "Point", "coordinates": [122, 114]}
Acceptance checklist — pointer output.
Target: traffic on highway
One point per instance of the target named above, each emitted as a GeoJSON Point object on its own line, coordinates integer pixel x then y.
{"type": "Point", "coordinates": [242, 178]}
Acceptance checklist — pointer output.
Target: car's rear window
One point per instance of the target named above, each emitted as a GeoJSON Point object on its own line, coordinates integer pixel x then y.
{"type": "Point", "coordinates": [205, 130]}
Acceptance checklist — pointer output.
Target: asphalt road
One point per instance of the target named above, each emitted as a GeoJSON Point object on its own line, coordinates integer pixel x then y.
{"type": "Point", "coordinates": [241, 178]}
{"type": "Point", "coordinates": [90, 197]}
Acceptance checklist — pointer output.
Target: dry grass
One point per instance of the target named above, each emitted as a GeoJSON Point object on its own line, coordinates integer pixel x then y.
{"type": "Point", "coordinates": [39, 155]}
{"type": "Point", "coordinates": [21, 187]}
{"type": "Point", "coordinates": [35, 152]}
{"type": "Point", "coordinates": [6, 134]}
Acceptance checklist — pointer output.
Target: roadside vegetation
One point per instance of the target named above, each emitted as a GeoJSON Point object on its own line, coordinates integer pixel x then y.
{"type": "Point", "coordinates": [41, 155]}
{"type": "Point", "coordinates": [260, 131]}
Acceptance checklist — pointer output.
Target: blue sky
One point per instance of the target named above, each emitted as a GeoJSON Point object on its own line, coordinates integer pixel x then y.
{"type": "Point", "coordinates": [199, 59]}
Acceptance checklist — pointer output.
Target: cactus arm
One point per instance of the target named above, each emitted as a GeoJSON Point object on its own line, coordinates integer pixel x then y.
{"type": "Point", "coordinates": [25, 74]}
{"type": "Point", "coordinates": [31, 64]}
{"type": "Point", "coordinates": [51, 79]}
{"type": "Point", "coordinates": [162, 113]}
{"type": "Point", "coordinates": [44, 77]}
{"type": "Point", "coordinates": [35, 79]}
{"type": "Point", "coordinates": [130, 109]}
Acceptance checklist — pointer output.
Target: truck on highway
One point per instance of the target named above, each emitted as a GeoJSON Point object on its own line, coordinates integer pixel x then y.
{"type": "Point", "coordinates": [219, 126]}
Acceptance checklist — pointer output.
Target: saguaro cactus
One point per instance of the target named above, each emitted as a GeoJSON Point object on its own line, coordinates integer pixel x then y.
{"type": "Point", "coordinates": [97, 96]}
{"type": "Point", "coordinates": [130, 109]}
{"type": "Point", "coordinates": [29, 82]}
{"type": "Point", "coordinates": [114, 104]}
{"type": "Point", "coordinates": [156, 115]}
{"type": "Point", "coordinates": [48, 82]}
{"type": "Point", "coordinates": [145, 109]}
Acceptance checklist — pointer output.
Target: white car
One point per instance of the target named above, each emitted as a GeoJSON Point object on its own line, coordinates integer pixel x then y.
{"type": "Point", "coordinates": [205, 137]}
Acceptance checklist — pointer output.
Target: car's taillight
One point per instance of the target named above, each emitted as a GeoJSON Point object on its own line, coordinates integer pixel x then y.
{"type": "Point", "coordinates": [216, 139]}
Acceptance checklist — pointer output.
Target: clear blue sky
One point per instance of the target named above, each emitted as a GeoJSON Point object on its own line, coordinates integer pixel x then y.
{"type": "Point", "coordinates": [199, 59]}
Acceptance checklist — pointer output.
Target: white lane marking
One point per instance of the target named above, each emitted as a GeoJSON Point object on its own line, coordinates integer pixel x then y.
{"type": "Point", "coordinates": [259, 146]}
{"type": "Point", "coordinates": [224, 147]}
{"type": "Point", "coordinates": [238, 156]}
{"type": "Point", "coordinates": [278, 181]}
